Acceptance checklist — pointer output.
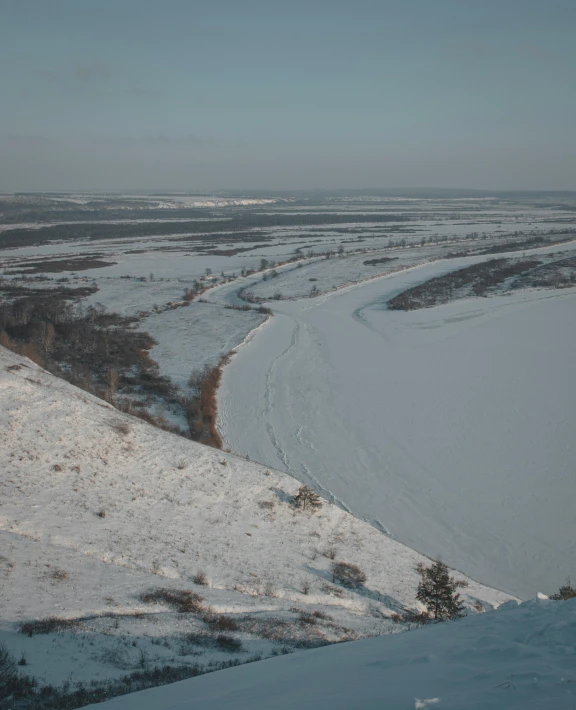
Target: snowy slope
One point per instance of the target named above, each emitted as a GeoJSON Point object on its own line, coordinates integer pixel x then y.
{"type": "Point", "coordinates": [450, 427]}
{"type": "Point", "coordinates": [97, 507]}
{"type": "Point", "coordinates": [512, 659]}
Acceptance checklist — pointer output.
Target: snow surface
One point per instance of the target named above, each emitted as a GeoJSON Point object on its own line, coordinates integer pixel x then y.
{"type": "Point", "coordinates": [172, 508]}
{"type": "Point", "coordinates": [451, 428]}
{"type": "Point", "coordinates": [195, 335]}
{"type": "Point", "coordinates": [511, 659]}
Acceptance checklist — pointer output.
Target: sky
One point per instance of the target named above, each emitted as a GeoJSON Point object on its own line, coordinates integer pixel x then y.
{"type": "Point", "coordinates": [300, 94]}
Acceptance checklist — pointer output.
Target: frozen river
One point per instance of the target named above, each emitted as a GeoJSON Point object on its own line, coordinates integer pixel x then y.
{"type": "Point", "coordinates": [451, 428]}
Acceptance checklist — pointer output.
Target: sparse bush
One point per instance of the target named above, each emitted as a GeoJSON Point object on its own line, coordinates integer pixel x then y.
{"type": "Point", "coordinates": [330, 553]}
{"type": "Point", "coordinates": [49, 625]}
{"type": "Point", "coordinates": [7, 664]}
{"type": "Point", "coordinates": [222, 623]}
{"type": "Point", "coordinates": [228, 643]}
{"type": "Point", "coordinates": [59, 575]}
{"type": "Point", "coordinates": [182, 600]}
{"type": "Point", "coordinates": [101, 513]}
{"type": "Point", "coordinates": [347, 574]}
{"type": "Point", "coordinates": [410, 616]}
{"type": "Point", "coordinates": [305, 587]}
{"type": "Point", "coordinates": [332, 590]}
{"type": "Point", "coordinates": [199, 639]}
{"type": "Point", "coordinates": [200, 578]}
{"type": "Point", "coordinates": [266, 504]}
{"type": "Point", "coordinates": [321, 615]}
{"type": "Point", "coordinates": [307, 499]}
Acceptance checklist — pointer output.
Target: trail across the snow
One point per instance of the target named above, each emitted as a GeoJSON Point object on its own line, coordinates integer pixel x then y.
{"type": "Point", "coordinates": [451, 428]}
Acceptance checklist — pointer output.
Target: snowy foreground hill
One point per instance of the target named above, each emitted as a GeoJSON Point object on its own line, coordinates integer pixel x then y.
{"type": "Point", "coordinates": [516, 658]}
{"type": "Point", "coordinates": [106, 522]}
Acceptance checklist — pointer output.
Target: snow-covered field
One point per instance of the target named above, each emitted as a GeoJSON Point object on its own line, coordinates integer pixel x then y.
{"type": "Point", "coordinates": [451, 428]}
{"type": "Point", "coordinates": [196, 335]}
{"type": "Point", "coordinates": [516, 658]}
{"type": "Point", "coordinates": [97, 507]}
{"type": "Point", "coordinates": [340, 271]}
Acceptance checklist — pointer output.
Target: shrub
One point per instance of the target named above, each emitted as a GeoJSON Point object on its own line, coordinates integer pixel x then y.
{"type": "Point", "coordinates": [200, 578]}
{"type": "Point", "coordinates": [306, 619]}
{"type": "Point", "coordinates": [7, 663]}
{"type": "Point", "coordinates": [182, 600]}
{"type": "Point", "coordinates": [49, 625]}
{"type": "Point", "coordinates": [228, 643]}
{"type": "Point", "coordinates": [347, 574]}
{"type": "Point", "coordinates": [412, 617]}
{"type": "Point", "coordinates": [120, 427]}
{"type": "Point", "coordinates": [222, 623]}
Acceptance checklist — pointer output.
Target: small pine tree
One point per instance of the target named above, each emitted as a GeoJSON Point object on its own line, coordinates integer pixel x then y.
{"type": "Point", "coordinates": [437, 590]}
{"type": "Point", "coordinates": [566, 591]}
{"type": "Point", "coordinates": [307, 498]}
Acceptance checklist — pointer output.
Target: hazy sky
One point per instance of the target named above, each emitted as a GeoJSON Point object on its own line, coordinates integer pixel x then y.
{"type": "Point", "coordinates": [240, 94]}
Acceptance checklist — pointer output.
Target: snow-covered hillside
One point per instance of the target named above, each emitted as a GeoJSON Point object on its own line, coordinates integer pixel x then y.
{"type": "Point", "coordinates": [512, 659]}
{"type": "Point", "coordinates": [97, 508]}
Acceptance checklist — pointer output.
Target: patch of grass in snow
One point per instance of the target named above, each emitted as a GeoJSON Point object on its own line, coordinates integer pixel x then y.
{"type": "Point", "coordinates": [181, 600]}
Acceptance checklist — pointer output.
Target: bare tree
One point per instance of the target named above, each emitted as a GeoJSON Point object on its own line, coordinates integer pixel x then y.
{"type": "Point", "coordinates": [112, 379]}
{"type": "Point", "coordinates": [46, 336]}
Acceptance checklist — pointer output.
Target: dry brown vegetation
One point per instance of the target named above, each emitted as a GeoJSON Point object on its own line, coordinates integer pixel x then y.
{"type": "Point", "coordinates": [201, 408]}
{"type": "Point", "coordinates": [49, 625]}
{"type": "Point", "coordinates": [55, 266]}
{"type": "Point", "coordinates": [347, 574]}
{"type": "Point", "coordinates": [182, 600]}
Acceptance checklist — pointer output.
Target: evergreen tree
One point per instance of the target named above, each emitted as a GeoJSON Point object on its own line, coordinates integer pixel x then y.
{"type": "Point", "coordinates": [567, 591]}
{"type": "Point", "coordinates": [437, 590]}
{"type": "Point", "coordinates": [307, 498]}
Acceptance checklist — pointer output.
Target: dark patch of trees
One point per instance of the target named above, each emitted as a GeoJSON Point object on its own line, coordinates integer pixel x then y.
{"type": "Point", "coordinates": [381, 260]}
{"type": "Point", "coordinates": [99, 351]}
{"type": "Point", "coordinates": [238, 221]}
{"type": "Point", "coordinates": [478, 279]}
